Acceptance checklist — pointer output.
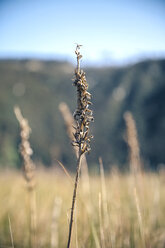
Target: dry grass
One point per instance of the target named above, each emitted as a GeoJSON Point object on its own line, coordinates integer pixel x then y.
{"type": "Point", "coordinates": [121, 229]}
{"type": "Point", "coordinates": [29, 175]}
{"type": "Point", "coordinates": [83, 115]}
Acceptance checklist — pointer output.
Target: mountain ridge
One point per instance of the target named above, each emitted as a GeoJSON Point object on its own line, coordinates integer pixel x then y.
{"type": "Point", "coordinates": [39, 86]}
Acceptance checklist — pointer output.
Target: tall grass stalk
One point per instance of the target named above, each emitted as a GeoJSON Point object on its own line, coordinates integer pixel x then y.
{"type": "Point", "coordinates": [11, 233]}
{"type": "Point", "coordinates": [70, 123]}
{"type": "Point", "coordinates": [135, 168]}
{"type": "Point", "coordinates": [132, 140]}
{"type": "Point", "coordinates": [106, 217]}
{"type": "Point", "coordinates": [55, 222]}
{"type": "Point", "coordinates": [102, 236]}
{"type": "Point", "coordinates": [74, 199]}
{"type": "Point", "coordinates": [83, 117]}
{"type": "Point", "coordinates": [139, 218]}
{"type": "Point", "coordinates": [29, 174]}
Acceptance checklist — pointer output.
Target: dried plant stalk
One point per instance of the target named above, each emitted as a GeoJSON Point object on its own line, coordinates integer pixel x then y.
{"type": "Point", "coordinates": [134, 151]}
{"type": "Point", "coordinates": [55, 222]}
{"type": "Point", "coordinates": [83, 117]}
{"type": "Point", "coordinates": [102, 237]}
{"type": "Point", "coordinates": [139, 213]}
{"type": "Point", "coordinates": [11, 233]}
{"type": "Point", "coordinates": [29, 172]}
{"type": "Point", "coordinates": [132, 140]}
{"type": "Point", "coordinates": [70, 123]}
{"type": "Point", "coordinates": [74, 199]}
{"type": "Point", "coordinates": [135, 168]}
{"type": "Point", "coordinates": [106, 216]}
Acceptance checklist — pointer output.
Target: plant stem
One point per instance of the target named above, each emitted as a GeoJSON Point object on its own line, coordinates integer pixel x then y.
{"type": "Point", "coordinates": [74, 198]}
{"type": "Point", "coordinates": [32, 217]}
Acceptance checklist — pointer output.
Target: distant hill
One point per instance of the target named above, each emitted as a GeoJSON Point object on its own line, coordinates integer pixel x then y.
{"type": "Point", "coordinates": [39, 86]}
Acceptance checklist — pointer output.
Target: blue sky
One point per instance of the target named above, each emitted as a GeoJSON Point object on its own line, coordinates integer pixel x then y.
{"type": "Point", "coordinates": [110, 30]}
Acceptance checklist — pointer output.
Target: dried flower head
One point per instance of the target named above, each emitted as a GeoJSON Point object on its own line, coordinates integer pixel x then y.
{"type": "Point", "coordinates": [83, 115]}
{"type": "Point", "coordinates": [25, 148]}
{"type": "Point", "coordinates": [132, 140]}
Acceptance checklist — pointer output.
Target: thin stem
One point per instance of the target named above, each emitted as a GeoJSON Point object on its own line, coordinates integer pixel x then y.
{"type": "Point", "coordinates": [11, 233]}
{"type": "Point", "coordinates": [32, 208]}
{"type": "Point", "coordinates": [78, 65]}
{"type": "Point", "coordinates": [74, 198]}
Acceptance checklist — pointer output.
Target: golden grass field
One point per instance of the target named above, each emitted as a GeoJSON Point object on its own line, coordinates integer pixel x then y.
{"type": "Point", "coordinates": [109, 212]}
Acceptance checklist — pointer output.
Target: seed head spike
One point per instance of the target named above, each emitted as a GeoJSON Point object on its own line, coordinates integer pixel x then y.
{"type": "Point", "coordinates": [83, 115]}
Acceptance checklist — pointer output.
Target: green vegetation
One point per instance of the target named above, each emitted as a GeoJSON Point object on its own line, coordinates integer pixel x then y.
{"type": "Point", "coordinates": [39, 86]}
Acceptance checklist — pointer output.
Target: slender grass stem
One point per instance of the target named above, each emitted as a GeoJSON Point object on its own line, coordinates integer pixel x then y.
{"type": "Point", "coordinates": [74, 198]}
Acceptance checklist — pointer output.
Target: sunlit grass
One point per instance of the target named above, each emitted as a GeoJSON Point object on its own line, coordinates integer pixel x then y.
{"type": "Point", "coordinates": [120, 225]}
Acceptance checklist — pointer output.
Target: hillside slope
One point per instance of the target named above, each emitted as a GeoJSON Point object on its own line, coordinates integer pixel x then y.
{"type": "Point", "coordinates": [39, 86]}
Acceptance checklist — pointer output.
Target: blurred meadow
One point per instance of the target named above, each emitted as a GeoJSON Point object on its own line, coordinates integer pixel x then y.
{"type": "Point", "coordinates": [106, 216]}
{"type": "Point", "coordinates": [120, 201]}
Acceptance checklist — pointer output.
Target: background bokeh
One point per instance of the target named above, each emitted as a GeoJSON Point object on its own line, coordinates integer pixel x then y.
{"type": "Point", "coordinates": [124, 59]}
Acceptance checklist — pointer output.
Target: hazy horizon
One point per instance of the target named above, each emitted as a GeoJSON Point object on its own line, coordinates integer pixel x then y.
{"type": "Point", "coordinates": [112, 32]}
